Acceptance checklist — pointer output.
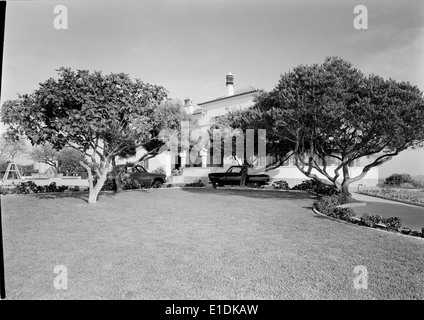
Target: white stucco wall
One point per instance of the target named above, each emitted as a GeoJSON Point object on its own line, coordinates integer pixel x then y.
{"type": "Point", "coordinates": [221, 107]}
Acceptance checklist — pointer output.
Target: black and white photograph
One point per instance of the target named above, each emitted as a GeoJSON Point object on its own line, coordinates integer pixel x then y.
{"type": "Point", "coordinates": [228, 152]}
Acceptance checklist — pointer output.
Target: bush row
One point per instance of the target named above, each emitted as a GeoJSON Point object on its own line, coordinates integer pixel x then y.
{"type": "Point", "coordinates": [281, 185]}
{"type": "Point", "coordinates": [317, 187]}
{"type": "Point", "coordinates": [308, 185]}
{"type": "Point", "coordinates": [408, 196]}
{"type": "Point", "coordinates": [195, 184]}
{"type": "Point", "coordinates": [330, 206]}
{"type": "Point", "coordinates": [31, 187]}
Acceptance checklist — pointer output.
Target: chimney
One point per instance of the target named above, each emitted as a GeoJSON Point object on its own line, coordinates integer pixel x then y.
{"type": "Point", "coordinates": [188, 105]}
{"type": "Point", "coordinates": [229, 82]}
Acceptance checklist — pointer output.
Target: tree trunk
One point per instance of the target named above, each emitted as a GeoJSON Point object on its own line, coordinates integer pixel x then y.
{"type": "Point", "coordinates": [345, 188]}
{"type": "Point", "coordinates": [117, 175]}
{"type": "Point", "coordinates": [94, 191]}
{"type": "Point", "coordinates": [243, 175]}
{"type": "Point", "coordinates": [346, 182]}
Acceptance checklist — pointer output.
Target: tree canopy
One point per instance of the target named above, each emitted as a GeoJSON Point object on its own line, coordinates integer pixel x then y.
{"type": "Point", "coordinates": [9, 148]}
{"type": "Point", "coordinates": [333, 111]}
{"type": "Point", "coordinates": [100, 115]}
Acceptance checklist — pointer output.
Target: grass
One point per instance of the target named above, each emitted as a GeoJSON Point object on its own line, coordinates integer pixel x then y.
{"type": "Point", "coordinates": [199, 244]}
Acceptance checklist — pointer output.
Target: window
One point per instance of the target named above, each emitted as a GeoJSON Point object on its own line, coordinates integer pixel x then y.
{"type": "Point", "coordinates": [235, 170]}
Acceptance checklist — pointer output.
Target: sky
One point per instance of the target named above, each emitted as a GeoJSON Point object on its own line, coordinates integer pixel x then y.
{"type": "Point", "coordinates": [189, 46]}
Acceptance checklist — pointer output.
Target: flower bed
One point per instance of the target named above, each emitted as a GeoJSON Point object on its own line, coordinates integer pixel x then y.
{"type": "Point", "coordinates": [404, 196]}
{"type": "Point", "coordinates": [31, 187]}
{"type": "Point", "coordinates": [330, 206]}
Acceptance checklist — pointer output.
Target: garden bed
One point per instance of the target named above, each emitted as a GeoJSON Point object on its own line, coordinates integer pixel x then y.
{"type": "Point", "coordinates": [378, 228]}
{"type": "Point", "coordinates": [415, 198]}
{"type": "Point", "coordinates": [334, 207]}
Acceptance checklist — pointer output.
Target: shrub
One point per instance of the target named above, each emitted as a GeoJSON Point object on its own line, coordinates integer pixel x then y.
{"type": "Point", "coordinates": [371, 220]}
{"type": "Point", "coordinates": [128, 184]}
{"type": "Point", "coordinates": [5, 191]}
{"type": "Point", "coordinates": [109, 185]}
{"type": "Point", "coordinates": [41, 189]}
{"type": "Point", "coordinates": [76, 188]}
{"type": "Point", "coordinates": [159, 170]}
{"type": "Point", "coordinates": [397, 179]}
{"type": "Point", "coordinates": [62, 188]}
{"type": "Point", "coordinates": [317, 187]}
{"type": "Point", "coordinates": [281, 185]}
{"type": "Point", "coordinates": [417, 183]}
{"type": "Point", "coordinates": [405, 230]}
{"type": "Point", "coordinates": [305, 185]}
{"type": "Point", "coordinates": [52, 187]}
{"type": "Point", "coordinates": [26, 187]}
{"type": "Point", "coordinates": [327, 204]}
{"type": "Point", "coordinates": [195, 184]}
{"type": "Point", "coordinates": [343, 213]}
{"type": "Point", "coordinates": [145, 185]}
{"type": "Point", "coordinates": [392, 223]}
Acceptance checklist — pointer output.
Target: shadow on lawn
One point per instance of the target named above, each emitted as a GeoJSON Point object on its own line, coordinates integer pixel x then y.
{"type": "Point", "coordinates": [83, 196]}
{"type": "Point", "coordinates": [252, 193]}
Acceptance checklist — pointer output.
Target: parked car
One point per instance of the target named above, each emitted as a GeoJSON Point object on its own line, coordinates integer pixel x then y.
{"type": "Point", "coordinates": [156, 180]}
{"type": "Point", "coordinates": [233, 177]}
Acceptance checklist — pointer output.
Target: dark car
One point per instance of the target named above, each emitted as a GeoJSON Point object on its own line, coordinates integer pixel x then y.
{"type": "Point", "coordinates": [140, 174]}
{"type": "Point", "coordinates": [233, 177]}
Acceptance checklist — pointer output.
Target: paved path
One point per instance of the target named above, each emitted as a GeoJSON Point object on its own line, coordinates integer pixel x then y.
{"type": "Point", "coordinates": [410, 215]}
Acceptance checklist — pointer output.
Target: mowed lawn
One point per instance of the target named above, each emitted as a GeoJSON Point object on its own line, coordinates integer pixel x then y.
{"type": "Point", "coordinates": [199, 244]}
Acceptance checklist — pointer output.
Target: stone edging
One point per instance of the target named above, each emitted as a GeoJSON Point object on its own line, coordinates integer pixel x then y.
{"type": "Point", "coordinates": [352, 224]}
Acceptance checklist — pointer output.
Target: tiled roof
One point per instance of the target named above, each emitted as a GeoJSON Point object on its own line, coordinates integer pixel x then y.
{"type": "Point", "coordinates": [238, 92]}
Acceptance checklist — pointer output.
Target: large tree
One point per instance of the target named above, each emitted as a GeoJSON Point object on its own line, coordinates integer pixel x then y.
{"type": "Point", "coordinates": [66, 160]}
{"type": "Point", "coordinates": [333, 111]}
{"type": "Point", "coordinates": [10, 148]}
{"type": "Point", "coordinates": [100, 115]}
